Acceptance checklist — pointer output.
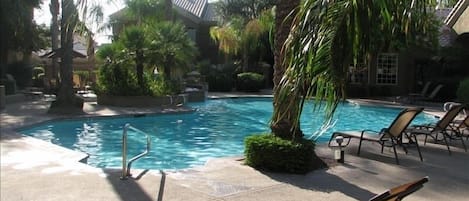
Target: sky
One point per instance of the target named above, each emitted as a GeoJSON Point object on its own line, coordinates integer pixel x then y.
{"type": "Point", "coordinates": [43, 16]}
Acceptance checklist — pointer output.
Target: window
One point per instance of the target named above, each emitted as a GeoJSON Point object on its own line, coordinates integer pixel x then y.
{"type": "Point", "coordinates": [386, 69]}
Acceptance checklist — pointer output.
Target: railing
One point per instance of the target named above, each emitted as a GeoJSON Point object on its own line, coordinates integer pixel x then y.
{"type": "Point", "coordinates": [126, 165]}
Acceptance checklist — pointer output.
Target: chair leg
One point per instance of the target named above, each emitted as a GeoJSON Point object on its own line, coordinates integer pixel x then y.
{"type": "Point", "coordinates": [395, 152]}
{"type": "Point", "coordinates": [359, 147]}
{"type": "Point", "coordinates": [418, 148]}
{"type": "Point", "coordinates": [463, 144]}
{"type": "Point", "coordinates": [447, 145]}
{"type": "Point", "coordinates": [425, 142]}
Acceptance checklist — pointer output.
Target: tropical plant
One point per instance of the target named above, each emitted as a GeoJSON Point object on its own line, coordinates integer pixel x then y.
{"type": "Point", "coordinates": [170, 47]}
{"type": "Point", "coordinates": [134, 41]}
{"type": "Point", "coordinates": [325, 38]}
{"type": "Point", "coordinates": [246, 9]}
{"type": "Point", "coordinates": [244, 37]}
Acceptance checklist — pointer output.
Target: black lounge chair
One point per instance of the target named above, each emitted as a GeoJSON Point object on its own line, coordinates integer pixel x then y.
{"type": "Point", "coordinates": [443, 126]}
{"type": "Point", "coordinates": [401, 191]}
{"type": "Point", "coordinates": [462, 128]}
{"type": "Point", "coordinates": [389, 137]}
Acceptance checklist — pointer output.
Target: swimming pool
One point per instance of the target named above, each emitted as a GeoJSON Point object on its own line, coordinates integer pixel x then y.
{"type": "Point", "coordinates": [216, 128]}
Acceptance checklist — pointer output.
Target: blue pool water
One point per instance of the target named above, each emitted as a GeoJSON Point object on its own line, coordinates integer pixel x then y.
{"type": "Point", "coordinates": [216, 128]}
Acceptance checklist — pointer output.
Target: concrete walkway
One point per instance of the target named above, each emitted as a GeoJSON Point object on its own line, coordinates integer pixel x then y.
{"type": "Point", "coordinates": [32, 169]}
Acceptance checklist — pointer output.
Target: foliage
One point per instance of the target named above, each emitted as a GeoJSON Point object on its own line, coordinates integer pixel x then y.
{"type": "Point", "coordinates": [269, 152]}
{"type": "Point", "coordinates": [118, 79]}
{"type": "Point", "coordinates": [9, 83]}
{"type": "Point", "coordinates": [170, 47]}
{"type": "Point", "coordinates": [246, 9]}
{"type": "Point", "coordinates": [250, 82]}
{"type": "Point", "coordinates": [17, 29]}
{"type": "Point", "coordinates": [218, 77]}
{"type": "Point", "coordinates": [247, 38]}
{"type": "Point", "coordinates": [326, 37]}
{"type": "Point", "coordinates": [463, 91]}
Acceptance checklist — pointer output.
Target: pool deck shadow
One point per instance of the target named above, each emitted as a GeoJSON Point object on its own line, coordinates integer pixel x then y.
{"type": "Point", "coordinates": [32, 169]}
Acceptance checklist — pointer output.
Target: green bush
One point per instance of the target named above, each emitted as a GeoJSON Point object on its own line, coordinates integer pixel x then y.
{"type": "Point", "coordinates": [275, 154]}
{"type": "Point", "coordinates": [250, 82]}
{"type": "Point", "coordinates": [118, 79]}
{"type": "Point", "coordinates": [463, 91]}
{"type": "Point", "coordinates": [22, 73]}
{"type": "Point", "coordinates": [10, 84]}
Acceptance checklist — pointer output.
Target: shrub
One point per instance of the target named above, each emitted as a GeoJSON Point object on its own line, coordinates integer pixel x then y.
{"type": "Point", "coordinates": [9, 83]}
{"type": "Point", "coordinates": [117, 79]}
{"type": "Point", "coordinates": [463, 91]}
{"type": "Point", "coordinates": [251, 82]}
{"type": "Point", "coordinates": [272, 153]}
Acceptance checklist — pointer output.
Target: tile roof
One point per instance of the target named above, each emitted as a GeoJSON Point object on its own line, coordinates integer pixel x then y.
{"type": "Point", "coordinates": [195, 7]}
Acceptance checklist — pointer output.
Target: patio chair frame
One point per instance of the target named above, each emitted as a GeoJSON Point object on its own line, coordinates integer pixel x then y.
{"type": "Point", "coordinates": [401, 191]}
{"type": "Point", "coordinates": [443, 126]}
{"type": "Point", "coordinates": [389, 137]}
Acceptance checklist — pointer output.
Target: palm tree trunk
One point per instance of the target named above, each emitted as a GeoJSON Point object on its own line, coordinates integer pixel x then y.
{"type": "Point", "coordinates": [168, 10]}
{"type": "Point", "coordinates": [139, 64]}
{"type": "Point", "coordinates": [66, 101]}
{"type": "Point", "coordinates": [51, 72]}
{"type": "Point", "coordinates": [283, 119]}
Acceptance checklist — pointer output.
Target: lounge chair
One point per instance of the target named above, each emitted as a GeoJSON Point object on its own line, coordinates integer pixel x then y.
{"type": "Point", "coordinates": [424, 90]}
{"type": "Point", "coordinates": [401, 191]}
{"type": "Point", "coordinates": [461, 127]}
{"type": "Point", "coordinates": [431, 96]}
{"type": "Point", "coordinates": [441, 127]}
{"type": "Point", "coordinates": [387, 136]}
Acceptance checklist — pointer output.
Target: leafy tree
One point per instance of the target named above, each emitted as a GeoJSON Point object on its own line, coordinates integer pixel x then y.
{"type": "Point", "coordinates": [325, 37]}
{"type": "Point", "coordinates": [17, 27]}
{"type": "Point", "coordinates": [245, 9]}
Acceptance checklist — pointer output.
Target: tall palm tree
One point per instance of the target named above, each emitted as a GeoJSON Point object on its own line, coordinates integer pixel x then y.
{"type": "Point", "coordinates": [54, 8]}
{"type": "Point", "coordinates": [326, 37]}
{"type": "Point", "coordinates": [283, 118]}
{"type": "Point", "coordinates": [67, 101]}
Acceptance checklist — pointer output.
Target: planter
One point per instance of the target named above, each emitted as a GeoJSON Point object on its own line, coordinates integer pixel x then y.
{"type": "Point", "coordinates": [141, 101]}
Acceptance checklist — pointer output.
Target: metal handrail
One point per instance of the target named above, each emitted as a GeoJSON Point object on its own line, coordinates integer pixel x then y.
{"type": "Point", "coordinates": [126, 165]}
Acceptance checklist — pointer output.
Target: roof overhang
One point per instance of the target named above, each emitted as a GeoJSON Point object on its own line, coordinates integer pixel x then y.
{"type": "Point", "coordinates": [458, 19]}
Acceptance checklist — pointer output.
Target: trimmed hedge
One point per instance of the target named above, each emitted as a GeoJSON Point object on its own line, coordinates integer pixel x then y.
{"type": "Point", "coordinates": [272, 153]}
{"type": "Point", "coordinates": [251, 82]}
{"type": "Point", "coordinates": [463, 91]}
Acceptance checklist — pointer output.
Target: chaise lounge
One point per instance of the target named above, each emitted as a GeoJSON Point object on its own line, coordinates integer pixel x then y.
{"type": "Point", "coordinates": [441, 127]}
{"type": "Point", "coordinates": [389, 137]}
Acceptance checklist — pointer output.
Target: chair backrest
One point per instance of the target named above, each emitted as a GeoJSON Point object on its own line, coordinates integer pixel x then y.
{"type": "Point", "coordinates": [464, 123]}
{"type": "Point", "coordinates": [435, 91]}
{"type": "Point", "coordinates": [403, 120]}
{"type": "Point", "coordinates": [401, 191]}
{"type": "Point", "coordinates": [425, 88]}
{"type": "Point", "coordinates": [449, 116]}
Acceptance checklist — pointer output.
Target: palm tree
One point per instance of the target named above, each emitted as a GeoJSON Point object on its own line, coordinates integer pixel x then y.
{"type": "Point", "coordinates": [170, 47]}
{"type": "Point", "coordinates": [67, 101]}
{"type": "Point", "coordinates": [133, 39]}
{"type": "Point", "coordinates": [54, 8]}
{"type": "Point", "coordinates": [325, 38]}
{"type": "Point", "coordinates": [283, 119]}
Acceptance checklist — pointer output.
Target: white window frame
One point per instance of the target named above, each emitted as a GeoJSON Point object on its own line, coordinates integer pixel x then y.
{"type": "Point", "coordinates": [387, 66]}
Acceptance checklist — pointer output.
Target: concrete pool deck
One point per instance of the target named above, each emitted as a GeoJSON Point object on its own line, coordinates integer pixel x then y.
{"type": "Point", "coordinates": [32, 169]}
